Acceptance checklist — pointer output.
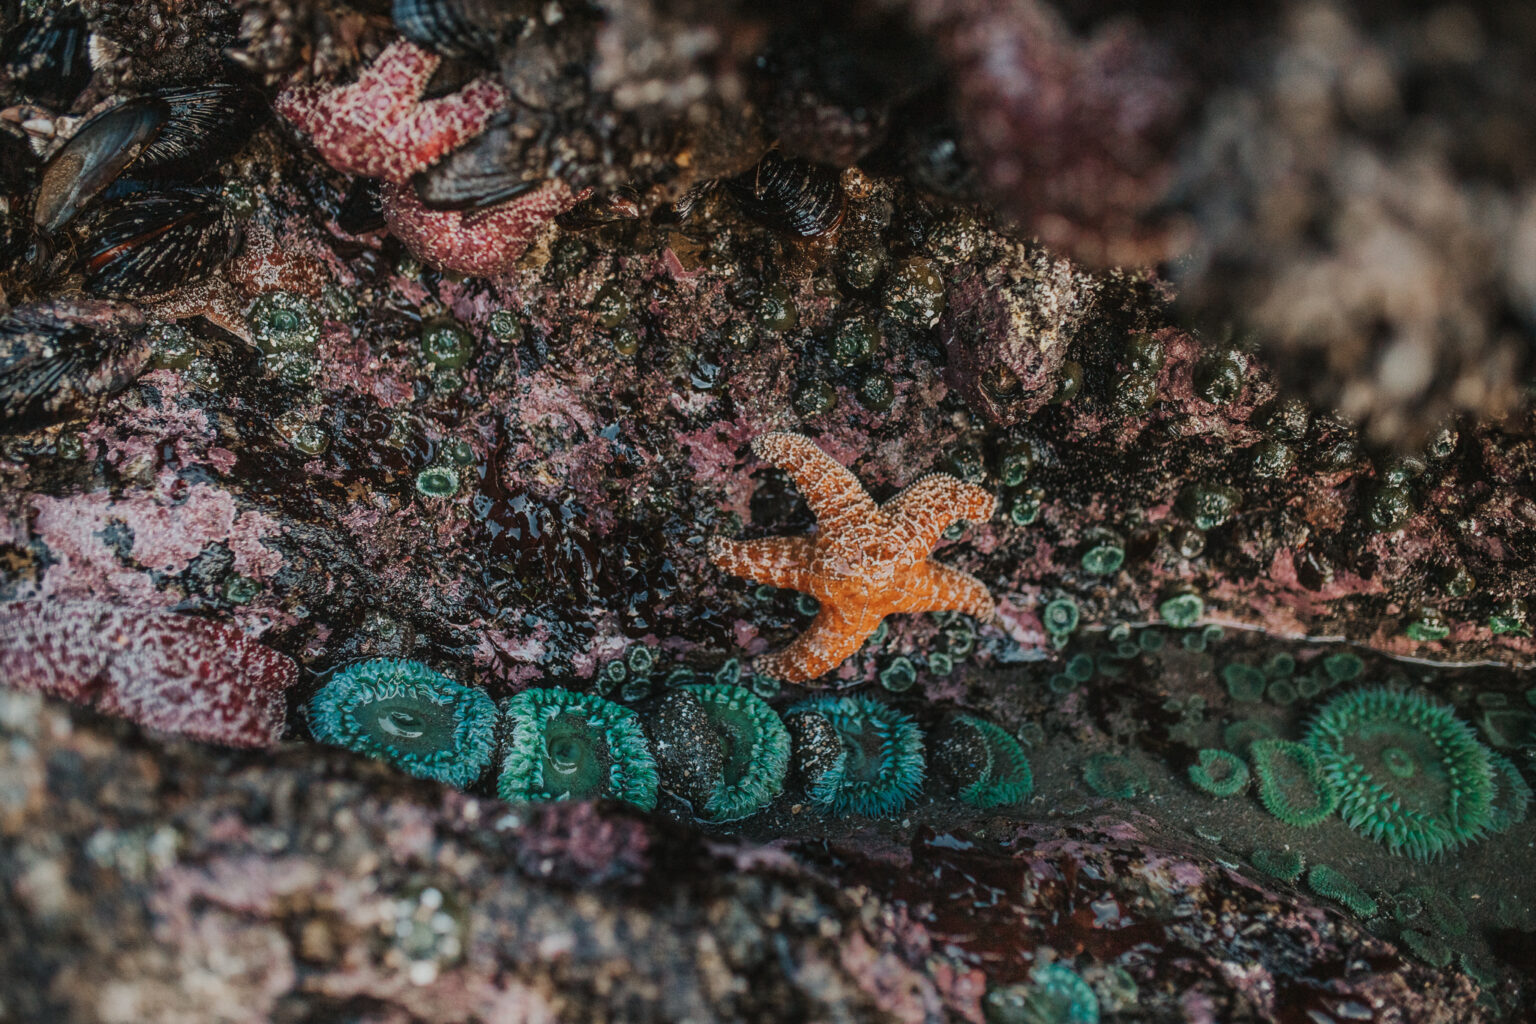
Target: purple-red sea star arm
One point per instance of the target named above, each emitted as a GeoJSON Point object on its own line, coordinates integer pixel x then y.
{"type": "Point", "coordinates": [920, 514]}
{"type": "Point", "coordinates": [834, 494]}
{"type": "Point", "coordinates": [776, 561]}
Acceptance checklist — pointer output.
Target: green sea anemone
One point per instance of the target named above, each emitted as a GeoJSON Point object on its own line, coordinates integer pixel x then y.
{"type": "Point", "coordinates": [1343, 666]}
{"type": "Point", "coordinates": [899, 674]}
{"type": "Point", "coordinates": [1332, 884]}
{"type": "Point", "coordinates": [1220, 773]}
{"type": "Point", "coordinates": [1060, 616]}
{"type": "Point", "coordinates": [578, 746]}
{"type": "Point", "coordinates": [721, 748]}
{"type": "Point", "coordinates": [1429, 948]}
{"type": "Point", "coordinates": [1244, 682]}
{"type": "Point", "coordinates": [1055, 994]}
{"type": "Point", "coordinates": [1285, 865]}
{"type": "Point", "coordinates": [1111, 775]}
{"type": "Point", "coordinates": [986, 766]}
{"type": "Point", "coordinates": [1182, 611]}
{"type": "Point", "coordinates": [403, 712]}
{"type": "Point", "coordinates": [1292, 786]}
{"type": "Point", "coordinates": [1512, 798]}
{"type": "Point", "coordinates": [1433, 905]}
{"type": "Point", "coordinates": [870, 762]}
{"type": "Point", "coordinates": [1409, 773]}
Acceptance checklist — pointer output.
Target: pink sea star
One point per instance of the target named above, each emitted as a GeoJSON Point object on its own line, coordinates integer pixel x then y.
{"type": "Point", "coordinates": [379, 126]}
{"type": "Point", "coordinates": [174, 673]}
{"type": "Point", "coordinates": [481, 243]}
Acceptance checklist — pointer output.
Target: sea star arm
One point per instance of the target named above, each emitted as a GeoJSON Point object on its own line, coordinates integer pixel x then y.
{"type": "Point", "coordinates": [776, 561]}
{"type": "Point", "coordinates": [830, 638]}
{"type": "Point", "coordinates": [834, 494]}
{"type": "Point", "coordinates": [934, 587]}
{"type": "Point", "coordinates": [920, 514]}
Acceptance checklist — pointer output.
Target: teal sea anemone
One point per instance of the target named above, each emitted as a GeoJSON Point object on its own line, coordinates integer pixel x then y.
{"type": "Point", "coordinates": [1111, 775]}
{"type": "Point", "coordinates": [1220, 773]}
{"type": "Point", "coordinates": [867, 757]}
{"type": "Point", "coordinates": [1286, 865]}
{"type": "Point", "coordinates": [1332, 884]}
{"type": "Point", "coordinates": [1409, 773]}
{"type": "Point", "coordinates": [1512, 797]}
{"type": "Point", "coordinates": [1292, 785]}
{"type": "Point", "coordinates": [984, 764]}
{"type": "Point", "coordinates": [578, 746]}
{"type": "Point", "coordinates": [721, 748]}
{"type": "Point", "coordinates": [403, 712]}
{"type": "Point", "coordinates": [1244, 731]}
{"type": "Point", "coordinates": [1055, 994]}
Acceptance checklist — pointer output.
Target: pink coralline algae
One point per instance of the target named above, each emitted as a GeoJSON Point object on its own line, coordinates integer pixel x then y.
{"type": "Point", "coordinates": [481, 243]}
{"type": "Point", "coordinates": [173, 673]}
{"type": "Point", "coordinates": [379, 126]}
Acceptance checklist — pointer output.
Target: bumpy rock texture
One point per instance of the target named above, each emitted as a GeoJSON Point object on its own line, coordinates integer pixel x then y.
{"type": "Point", "coordinates": [1036, 272]}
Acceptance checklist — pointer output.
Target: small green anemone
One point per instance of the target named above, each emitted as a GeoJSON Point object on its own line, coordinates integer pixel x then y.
{"type": "Point", "coordinates": [721, 748]}
{"type": "Point", "coordinates": [1512, 799]}
{"type": "Point", "coordinates": [1111, 775]}
{"type": "Point", "coordinates": [1409, 773]}
{"type": "Point", "coordinates": [1220, 773]}
{"type": "Point", "coordinates": [568, 745]}
{"type": "Point", "coordinates": [403, 712]}
{"type": "Point", "coordinates": [1060, 616]}
{"type": "Point", "coordinates": [986, 766]}
{"type": "Point", "coordinates": [1244, 731]}
{"type": "Point", "coordinates": [1292, 786]}
{"type": "Point", "coordinates": [1333, 884]}
{"type": "Point", "coordinates": [1244, 682]}
{"type": "Point", "coordinates": [879, 766]}
{"type": "Point", "coordinates": [1285, 865]}
{"type": "Point", "coordinates": [1055, 994]}
{"type": "Point", "coordinates": [1182, 611]}
{"type": "Point", "coordinates": [1429, 948]}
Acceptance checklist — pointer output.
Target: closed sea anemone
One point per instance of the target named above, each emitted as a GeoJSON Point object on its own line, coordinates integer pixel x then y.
{"type": "Point", "coordinates": [403, 712]}
{"type": "Point", "coordinates": [1055, 994]}
{"type": "Point", "coordinates": [1408, 772]}
{"type": "Point", "coordinates": [863, 757]}
{"type": "Point", "coordinates": [985, 765]}
{"type": "Point", "coordinates": [721, 748]}
{"type": "Point", "coordinates": [1333, 884]}
{"type": "Point", "coordinates": [1111, 775]}
{"type": "Point", "coordinates": [566, 745]}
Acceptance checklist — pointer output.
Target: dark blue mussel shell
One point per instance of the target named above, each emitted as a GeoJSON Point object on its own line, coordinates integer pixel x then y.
{"type": "Point", "coordinates": [149, 243]}
{"type": "Point", "coordinates": [44, 55]}
{"type": "Point", "coordinates": [789, 195]}
{"type": "Point", "coordinates": [55, 357]}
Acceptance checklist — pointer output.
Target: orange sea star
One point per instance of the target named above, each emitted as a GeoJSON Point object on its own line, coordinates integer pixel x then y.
{"type": "Point", "coordinates": [865, 562]}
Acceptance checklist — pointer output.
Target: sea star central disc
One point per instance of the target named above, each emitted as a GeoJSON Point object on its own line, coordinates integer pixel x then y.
{"type": "Point", "coordinates": [866, 560]}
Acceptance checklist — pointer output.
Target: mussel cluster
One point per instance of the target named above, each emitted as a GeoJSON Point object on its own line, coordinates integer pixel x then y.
{"type": "Point", "coordinates": [127, 208]}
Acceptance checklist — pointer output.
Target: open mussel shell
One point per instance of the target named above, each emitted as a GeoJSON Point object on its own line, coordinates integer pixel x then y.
{"type": "Point", "coordinates": [93, 158]}
{"type": "Point", "coordinates": [179, 134]}
{"type": "Point", "coordinates": [150, 243]}
{"type": "Point", "coordinates": [460, 28]}
{"type": "Point", "coordinates": [793, 196]}
{"type": "Point", "coordinates": [482, 173]}
{"type": "Point", "coordinates": [55, 357]}
{"type": "Point", "coordinates": [44, 56]}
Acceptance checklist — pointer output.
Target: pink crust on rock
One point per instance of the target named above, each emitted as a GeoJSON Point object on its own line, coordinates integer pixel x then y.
{"type": "Point", "coordinates": [480, 243]}
{"type": "Point", "coordinates": [175, 673]}
{"type": "Point", "coordinates": [379, 126]}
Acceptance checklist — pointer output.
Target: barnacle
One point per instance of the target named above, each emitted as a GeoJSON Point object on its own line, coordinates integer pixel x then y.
{"type": "Point", "coordinates": [879, 767]}
{"type": "Point", "coordinates": [405, 713]}
{"type": "Point", "coordinates": [566, 745]}
{"type": "Point", "coordinates": [1112, 775]}
{"type": "Point", "coordinates": [1292, 785]}
{"type": "Point", "coordinates": [1219, 772]}
{"type": "Point", "coordinates": [1285, 865]}
{"type": "Point", "coordinates": [1333, 884]}
{"type": "Point", "coordinates": [721, 748]}
{"type": "Point", "coordinates": [1408, 772]}
{"type": "Point", "coordinates": [986, 766]}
